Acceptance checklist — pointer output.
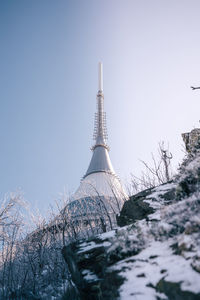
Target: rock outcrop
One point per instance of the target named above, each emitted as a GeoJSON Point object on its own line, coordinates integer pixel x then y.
{"type": "Point", "coordinates": [89, 264]}
{"type": "Point", "coordinates": [153, 258]}
{"type": "Point", "coordinates": [155, 254]}
{"type": "Point", "coordinates": [135, 209]}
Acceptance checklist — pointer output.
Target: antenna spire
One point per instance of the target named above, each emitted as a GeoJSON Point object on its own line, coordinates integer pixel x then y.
{"type": "Point", "coordinates": [100, 130]}
{"type": "Point", "coordinates": [100, 76]}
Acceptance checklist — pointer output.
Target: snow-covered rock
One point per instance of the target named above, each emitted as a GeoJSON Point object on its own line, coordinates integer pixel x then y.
{"type": "Point", "coordinates": [155, 256]}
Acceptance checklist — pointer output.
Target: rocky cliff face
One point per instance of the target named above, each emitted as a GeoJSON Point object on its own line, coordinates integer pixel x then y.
{"type": "Point", "coordinates": [191, 139]}
{"type": "Point", "coordinates": [155, 254]}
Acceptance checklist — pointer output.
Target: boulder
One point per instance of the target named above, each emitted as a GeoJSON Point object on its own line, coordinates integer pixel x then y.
{"type": "Point", "coordinates": [135, 209]}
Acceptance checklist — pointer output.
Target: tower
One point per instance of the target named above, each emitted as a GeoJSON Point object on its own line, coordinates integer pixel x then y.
{"type": "Point", "coordinates": [100, 195]}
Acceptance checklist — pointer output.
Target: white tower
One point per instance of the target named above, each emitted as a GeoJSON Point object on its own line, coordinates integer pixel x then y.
{"type": "Point", "coordinates": [100, 190]}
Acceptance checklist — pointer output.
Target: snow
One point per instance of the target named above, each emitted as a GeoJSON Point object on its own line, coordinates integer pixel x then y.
{"type": "Point", "coordinates": [155, 216]}
{"type": "Point", "coordinates": [107, 235]}
{"type": "Point", "coordinates": [160, 189]}
{"type": "Point", "coordinates": [84, 247]}
{"type": "Point", "coordinates": [154, 199]}
{"type": "Point", "coordinates": [148, 267]}
{"type": "Point", "coordinates": [89, 276]}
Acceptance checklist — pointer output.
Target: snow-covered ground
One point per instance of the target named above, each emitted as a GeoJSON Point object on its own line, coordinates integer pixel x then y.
{"type": "Point", "coordinates": [166, 247]}
{"type": "Point", "coordinates": [151, 265]}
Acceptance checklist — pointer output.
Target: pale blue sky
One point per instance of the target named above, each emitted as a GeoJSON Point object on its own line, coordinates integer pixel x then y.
{"type": "Point", "coordinates": [49, 51]}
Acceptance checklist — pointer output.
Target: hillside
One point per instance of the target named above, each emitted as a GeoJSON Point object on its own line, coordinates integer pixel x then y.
{"type": "Point", "coordinates": [155, 254]}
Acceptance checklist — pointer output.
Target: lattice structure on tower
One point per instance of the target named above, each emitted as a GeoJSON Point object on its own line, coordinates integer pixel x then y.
{"type": "Point", "coordinates": [100, 129]}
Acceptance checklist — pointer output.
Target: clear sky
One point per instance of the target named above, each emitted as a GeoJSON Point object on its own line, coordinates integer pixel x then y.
{"type": "Point", "coordinates": [49, 51]}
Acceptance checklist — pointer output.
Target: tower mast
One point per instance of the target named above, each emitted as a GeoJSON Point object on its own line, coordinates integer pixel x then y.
{"type": "Point", "coordinates": [100, 161]}
{"type": "Point", "coordinates": [100, 129]}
